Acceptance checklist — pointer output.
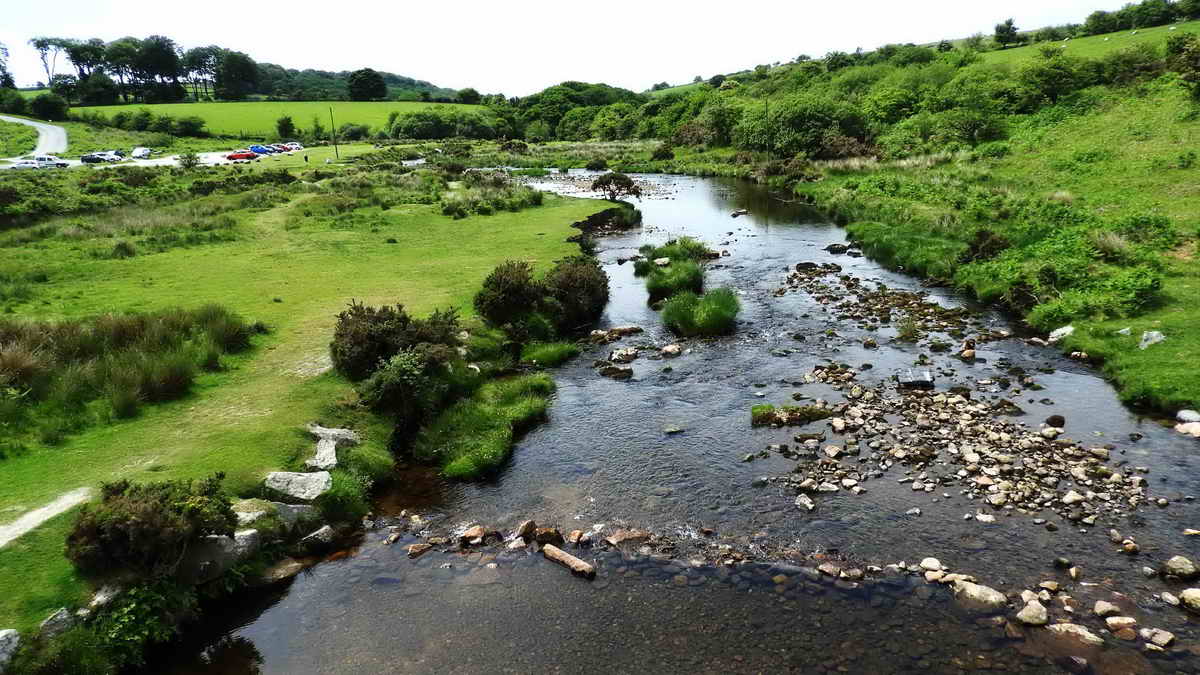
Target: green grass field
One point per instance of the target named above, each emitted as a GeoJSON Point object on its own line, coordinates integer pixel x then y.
{"type": "Point", "coordinates": [257, 118]}
{"type": "Point", "coordinates": [1094, 46]}
{"type": "Point", "coordinates": [16, 139]}
{"type": "Point", "coordinates": [681, 89]}
{"type": "Point", "coordinates": [245, 421]}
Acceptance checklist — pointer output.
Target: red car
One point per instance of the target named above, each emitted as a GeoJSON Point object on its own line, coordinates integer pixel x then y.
{"type": "Point", "coordinates": [241, 154]}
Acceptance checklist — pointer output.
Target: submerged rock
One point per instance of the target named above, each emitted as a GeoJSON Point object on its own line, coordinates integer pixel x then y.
{"type": "Point", "coordinates": [1181, 567]}
{"type": "Point", "coordinates": [1076, 633]}
{"type": "Point", "coordinates": [1034, 614]}
{"type": "Point", "coordinates": [979, 597]}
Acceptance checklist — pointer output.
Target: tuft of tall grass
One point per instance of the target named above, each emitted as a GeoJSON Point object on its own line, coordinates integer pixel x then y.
{"type": "Point", "coordinates": [549, 354]}
{"type": "Point", "coordinates": [664, 282]}
{"type": "Point", "coordinates": [714, 313]}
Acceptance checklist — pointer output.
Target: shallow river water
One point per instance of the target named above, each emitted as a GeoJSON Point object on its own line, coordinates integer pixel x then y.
{"type": "Point", "coordinates": [604, 457]}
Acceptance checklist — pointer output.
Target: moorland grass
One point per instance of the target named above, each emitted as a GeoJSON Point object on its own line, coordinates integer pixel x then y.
{"type": "Point", "coordinates": [1094, 46]}
{"type": "Point", "coordinates": [295, 274]}
{"type": "Point", "coordinates": [16, 139]}
{"type": "Point", "coordinates": [549, 354]}
{"type": "Point", "coordinates": [714, 313]}
{"type": "Point", "coordinates": [475, 436]}
{"type": "Point", "coordinates": [663, 282]}
{"type": "Point", "coordinates": [257, 118]}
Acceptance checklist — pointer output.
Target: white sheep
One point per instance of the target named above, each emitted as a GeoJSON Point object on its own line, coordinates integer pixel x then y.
{"type": "Point", "coordinates": [1106, 39]}
{"type": "Point", "coordinates": [1171, 28]}
{"type": "Point", "coordinates": [1134, 33]}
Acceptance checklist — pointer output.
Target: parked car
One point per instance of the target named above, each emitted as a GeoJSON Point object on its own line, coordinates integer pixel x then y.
{"type": "Point", "coordinates": [262, 150]}
{"type": "Point", "coordinates": [294, 145]}
{"type": "Point", "coordinates": [121, 154]}
{"type": "Point", "coordinates": [50, 162]}
{"type": "Point", "coordinates": [111, 155]}
{"type": "Point", "coordinates": [241, 154]}
{"type": "Point", "coordinates": [93, 158]}
{"type": "Point", "coordinates": [281, 147]}
{"type": "Point", "coordinates": [25, 164]}
{"type": "Point", "coordinates": [140, 153]}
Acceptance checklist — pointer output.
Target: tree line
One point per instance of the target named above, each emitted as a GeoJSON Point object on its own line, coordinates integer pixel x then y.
{"type": "Point", "coordinates": [156, 69]}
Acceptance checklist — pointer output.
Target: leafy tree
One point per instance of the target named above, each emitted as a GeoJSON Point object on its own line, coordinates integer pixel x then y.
{"type": "Point", "coordinates": [200, 65]}
{"type": "Point", "coordinates": [975, 42]}
{"type": "Point", "coordinates": [189, 160]}
{"type": "Point", "coordinates": [616, 185]}
{"type": "Point", "coordinates": [50, 107]}
{"type": "Point", "coordinates": [366, 85]}
{"type": "Point", "coordinates": [120, 56]}
{"type": "Point", "coordinates": [65, 86]}
{"type": "Point", "coordinates": [716, 80]}
{"type": "Point", "coordinates": [158, 58]}
{"type": "Point", "coordinates": [85, 55]}
{"type": "Point", "coordinates": [697, 79]}
{"type": "Point", "coordinates": [537, 131]}
{"type": "Point", "coordinates": [236, 76]}
{"type": "Point", "coordinates": [1052, 75]}
{"type": "Point", "coordinates": [285, 128]}
{"type": "Point", "coordinates": [468, 96]}
{"type": "Point", "coordinates": [48, 49]}
{"type": "Point", "coordinates": [98, 89]}
{"type": "Point", "coordinates": [945, 46]}
{"type": "Point", "coordinates": [1188, 9]}
{"type": "Point", "coordinates": [1006, 34]}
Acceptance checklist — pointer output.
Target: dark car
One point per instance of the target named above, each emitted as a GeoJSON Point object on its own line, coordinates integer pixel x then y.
{"type": "Point", "coordinates": [93, 158]}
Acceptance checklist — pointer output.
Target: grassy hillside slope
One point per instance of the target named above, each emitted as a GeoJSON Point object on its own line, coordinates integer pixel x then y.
{"type": "Point", "coordinates": [1095, 46]}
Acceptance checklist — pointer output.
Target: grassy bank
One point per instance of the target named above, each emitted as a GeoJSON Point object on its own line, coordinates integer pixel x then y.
{"type": "Point", "coordinates": [1084, 216]}
{"type": "Point", "coordinates": [16, 139]}
{"type": "Point", "coordinates": [293, 272]}
{"type": "Point", "coordinates": [257, 118]}
{"type": "Point", "coordinates": [1094, 46]}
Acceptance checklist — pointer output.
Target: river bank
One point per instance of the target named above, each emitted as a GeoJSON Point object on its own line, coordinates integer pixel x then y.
{"type": "Point", "coordinates": [664, 452]}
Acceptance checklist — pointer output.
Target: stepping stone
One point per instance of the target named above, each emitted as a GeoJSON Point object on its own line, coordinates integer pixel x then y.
{"type": "Point", "coordinates": [328, 441]}
{"type": "Point", "coordinates": [302, 486]}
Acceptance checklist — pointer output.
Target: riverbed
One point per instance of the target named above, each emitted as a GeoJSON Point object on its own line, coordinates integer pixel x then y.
{"type": "Point", "coordinates": [665, 451]}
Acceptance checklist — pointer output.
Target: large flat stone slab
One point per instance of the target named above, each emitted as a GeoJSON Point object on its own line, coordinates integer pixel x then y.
{"type": "Point", "coordinates": [328, 441]}
{"type": "Point", "coordinates": [303, 486]}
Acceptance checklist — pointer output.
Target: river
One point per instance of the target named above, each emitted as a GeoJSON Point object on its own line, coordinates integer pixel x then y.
{"type": "Point", "coordinates": [605, 457]}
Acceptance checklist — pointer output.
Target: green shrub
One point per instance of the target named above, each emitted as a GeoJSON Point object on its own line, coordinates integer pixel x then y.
{"type": "Point", "coordinates": [367, 336]}
{"type": "Point", "coordinates": [145, 529]}
{"type": "Point", "coordinates": [549, 354]}
{"type": "Point", "coordinates": [411, 385]}
{"type": "Point", "coordinates": [597, 164]}
{"type": "Point", "coordinates": [79, 651]}
{"type": "Point", "coordinates": [663, 282]}
{"type": "Point", "coordinates": [578, 288]}
{"type": "Point", "coordinates": [346, 501]}
{"type": "Point", "coordinates": [713, 313]}
{"type": "Point", "coordinates": [142, 616]}
{"type": "Point", "coordinates": [508, 293]}
{"type": "Point", "coordinates": [122, 249]}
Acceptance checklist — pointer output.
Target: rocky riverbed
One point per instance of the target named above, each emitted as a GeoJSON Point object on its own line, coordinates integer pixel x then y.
{"type": "Point", "coordinates": [944, 432]}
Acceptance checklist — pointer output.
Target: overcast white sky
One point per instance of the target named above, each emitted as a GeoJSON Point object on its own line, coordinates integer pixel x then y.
{"type": "Point", "coordinates": [523, 46]}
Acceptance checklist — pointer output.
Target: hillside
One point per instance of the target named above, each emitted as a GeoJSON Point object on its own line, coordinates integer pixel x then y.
{"type": "Point", "coordinates": [1096, 46]}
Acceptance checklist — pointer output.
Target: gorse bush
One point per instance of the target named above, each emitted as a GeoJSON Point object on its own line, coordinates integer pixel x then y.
{"type": "Point", "coordinates": [366, 337]}
{"type": "Point", "coordinates": [713, 313]}
{"type": "Point", "coordinates": [145, 529]}
{"type": "Point", "coordinates": [509, 292]}
{"type": "Point", "coordinates": [576, 291]}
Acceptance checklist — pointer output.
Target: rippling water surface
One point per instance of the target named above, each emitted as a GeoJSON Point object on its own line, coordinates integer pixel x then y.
{"type": "Point", "coordinates": [604, 457]}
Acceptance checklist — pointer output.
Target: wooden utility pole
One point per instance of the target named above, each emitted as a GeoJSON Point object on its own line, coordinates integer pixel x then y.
{"type": "Point", "coordinates": [333, 134]}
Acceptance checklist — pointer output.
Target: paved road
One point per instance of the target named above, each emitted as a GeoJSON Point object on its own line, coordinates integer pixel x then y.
{"type": "Point", "coordinates": [51, 139]}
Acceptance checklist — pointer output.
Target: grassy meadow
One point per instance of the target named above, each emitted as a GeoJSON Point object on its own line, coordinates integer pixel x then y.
{"type": "Point", "coordinates": [284, 263]}
{"type": "Point", "coordinates": [1095, 46]}
{"type": "Point", "coordinates": [257, 118]}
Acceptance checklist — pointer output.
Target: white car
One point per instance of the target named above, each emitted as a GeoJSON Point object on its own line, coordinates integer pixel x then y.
{"type": "Point", "coordinates": [50, 162]}
{"type": "Point", "coordinates": [140, 153]}
{"type": "Point", "coordinates": [25, 164]}
{"type": "Point", "coordinates": [294, 146]}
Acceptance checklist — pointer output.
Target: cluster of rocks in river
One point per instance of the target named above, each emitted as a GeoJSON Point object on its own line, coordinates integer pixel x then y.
{"type": "Point", "coordinates": [946, 441]}
{"type": "Point", "coordinates": [615, 366]}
